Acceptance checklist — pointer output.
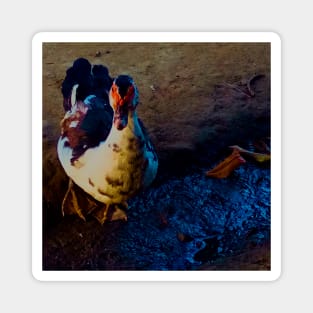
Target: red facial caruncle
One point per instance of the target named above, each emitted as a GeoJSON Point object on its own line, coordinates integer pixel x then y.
{"type": "Point", "coordinates": [122, 95]}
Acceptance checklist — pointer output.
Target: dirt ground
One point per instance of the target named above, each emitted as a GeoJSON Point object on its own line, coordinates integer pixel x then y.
{"type": "Point", "coordinates": [194, 101]}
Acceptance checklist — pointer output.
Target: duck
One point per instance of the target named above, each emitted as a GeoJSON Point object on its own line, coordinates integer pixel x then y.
{"type": "Point", "coordinates": [104, 148]}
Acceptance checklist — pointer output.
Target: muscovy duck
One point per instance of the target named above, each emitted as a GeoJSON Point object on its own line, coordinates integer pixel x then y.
{"type": "Point", "coordinates": [104, 148]}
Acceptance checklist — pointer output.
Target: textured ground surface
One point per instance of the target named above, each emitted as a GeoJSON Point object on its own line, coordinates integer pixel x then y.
{"type": "Point", "coordinates": [194, 103]}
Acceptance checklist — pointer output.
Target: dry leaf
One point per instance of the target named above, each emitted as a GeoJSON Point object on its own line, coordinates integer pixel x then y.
{"type": "Point", "coordinates": [226, 167]}
{"type": "Point", "coordinates": [259, 157]}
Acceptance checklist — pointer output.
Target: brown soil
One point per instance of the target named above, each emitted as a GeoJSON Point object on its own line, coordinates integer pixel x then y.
{"type": "Point", "coordinates": [194, 101]}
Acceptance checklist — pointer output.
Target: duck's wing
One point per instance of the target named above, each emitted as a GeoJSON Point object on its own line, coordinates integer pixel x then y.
{"type": "Point", "coordinates": [149, 146]}
{"type": "Point", "coordinates": [88, 119]}
{"type": "Point", "coordinates": [86, 129]}
{"type": "Point", "coordinates": [97, 122]}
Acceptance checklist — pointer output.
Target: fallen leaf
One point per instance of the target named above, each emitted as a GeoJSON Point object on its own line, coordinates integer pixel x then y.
{"type": "Point", "coordinates": [227, 166]}
{"type": "Point", "coordinates": [259, 157]}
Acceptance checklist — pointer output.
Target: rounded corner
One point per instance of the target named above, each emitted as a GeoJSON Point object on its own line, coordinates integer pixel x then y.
{"type": "Point", "coordinates": [276, 275]}
{"type": "Point", "coordinates": [36, 35]}
{"type": "Point", "coordinates": [276, 37]}
{"type": "Point", "coordinates": [36, 275]}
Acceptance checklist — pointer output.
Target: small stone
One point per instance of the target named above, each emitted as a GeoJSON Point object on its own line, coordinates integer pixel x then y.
{"type": "Point", "coordinates": [183, 237]}
{"type": "Point", "coordinates": [98, 54]}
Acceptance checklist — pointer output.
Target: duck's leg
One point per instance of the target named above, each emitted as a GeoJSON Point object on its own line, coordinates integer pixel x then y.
{"type": "Point", "coordinates": [111, 212]}
{"type": "Point", "coordinates": [70, 203]}
{"type": "Point", "coordinates": [118, 213]}
{"type": "Point", "coordinates": [69, 187]}
{"type": "Point", "coordinates": [101, 214]}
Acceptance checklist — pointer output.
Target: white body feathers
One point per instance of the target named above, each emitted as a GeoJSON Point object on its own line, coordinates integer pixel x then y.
{"type": "Point", "coordinates": [115, 170]}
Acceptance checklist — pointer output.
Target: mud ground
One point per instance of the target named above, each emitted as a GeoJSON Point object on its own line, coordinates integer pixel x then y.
{"type": "Point", "coordinates": [194, 102]}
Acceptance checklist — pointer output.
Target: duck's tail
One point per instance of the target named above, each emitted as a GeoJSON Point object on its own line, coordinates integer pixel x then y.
{"type": "Point", "coordinates": [79, 73]}
{"type": "Point", "coordinates": [91, 80]}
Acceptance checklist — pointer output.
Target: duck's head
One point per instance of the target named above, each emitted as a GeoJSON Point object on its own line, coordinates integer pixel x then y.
{"type": "Point", "coordinates": [123, 99]}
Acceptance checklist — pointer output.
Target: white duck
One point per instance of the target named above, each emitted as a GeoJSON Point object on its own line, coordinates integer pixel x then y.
{"type": "Point", "coordinates": [120, 165]}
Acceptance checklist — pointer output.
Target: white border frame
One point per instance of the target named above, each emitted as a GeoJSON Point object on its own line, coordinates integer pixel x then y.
{"type": "Point", "coordinates": [90, 37]}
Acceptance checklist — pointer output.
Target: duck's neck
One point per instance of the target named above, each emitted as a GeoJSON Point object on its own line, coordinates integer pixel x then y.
{"type": "Point", "coordinates": [133, 124]}
{"type": "Point", "coordinates": [132, 130]}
